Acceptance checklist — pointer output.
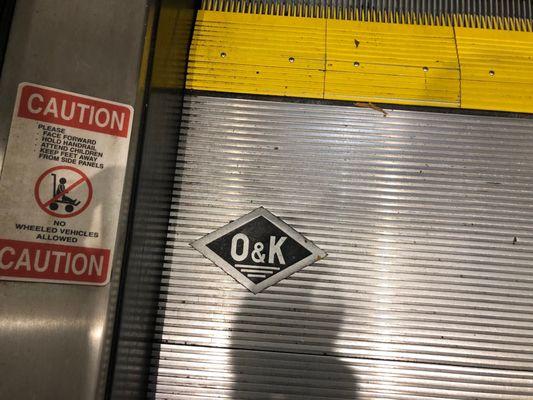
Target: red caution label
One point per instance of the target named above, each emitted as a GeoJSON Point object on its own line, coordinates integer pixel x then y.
{"type": "Point", "coordinates": [76, 111]}
{"type": "Point", "coordinates": [52, 262]}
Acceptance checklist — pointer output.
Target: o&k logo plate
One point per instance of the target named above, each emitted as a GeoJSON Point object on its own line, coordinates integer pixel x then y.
{"type": "Point", "coordinates": [258, 250]}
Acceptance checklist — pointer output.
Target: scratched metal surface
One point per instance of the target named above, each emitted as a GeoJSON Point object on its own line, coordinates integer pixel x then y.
{"type": "Point", "coordinates": [427, 291]}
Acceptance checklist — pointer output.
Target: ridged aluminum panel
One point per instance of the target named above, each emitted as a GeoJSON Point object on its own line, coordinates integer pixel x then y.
{"type": "Point", "coordinates": [427, 288]}
{"type": "Point", "coordinates": [209, 373]}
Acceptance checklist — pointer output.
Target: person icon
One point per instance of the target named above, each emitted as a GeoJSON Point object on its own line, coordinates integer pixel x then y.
{"type": "Point", "coordinates": [61, 188]}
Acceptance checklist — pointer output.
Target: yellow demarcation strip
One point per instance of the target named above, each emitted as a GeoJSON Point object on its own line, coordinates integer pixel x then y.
{"type": "Point", "coordinates": [391, 63]}
{"type": "Point", "coordinates": [362, 61]}
{"type": "Point", "coordinates": [496, 69]}
{"type": "Point", "coordinates": [260, 54]}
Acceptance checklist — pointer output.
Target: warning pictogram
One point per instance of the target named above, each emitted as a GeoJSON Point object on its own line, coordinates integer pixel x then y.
{"type": "Point", "coordinates": [63, 191]}
{"type": "Point", "coordinates": [258, 250]}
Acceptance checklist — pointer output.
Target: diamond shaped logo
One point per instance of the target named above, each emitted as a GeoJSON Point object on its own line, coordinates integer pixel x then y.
{"type": "Point", "coordinates": [258, 250]}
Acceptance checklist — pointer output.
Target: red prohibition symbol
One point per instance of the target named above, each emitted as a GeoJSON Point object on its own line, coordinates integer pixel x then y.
{"type": "Point", "coordinates": [58, 191]}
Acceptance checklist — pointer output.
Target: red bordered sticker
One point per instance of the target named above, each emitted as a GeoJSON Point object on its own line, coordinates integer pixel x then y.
{"type": "Point", "coordinates": [61, 186]}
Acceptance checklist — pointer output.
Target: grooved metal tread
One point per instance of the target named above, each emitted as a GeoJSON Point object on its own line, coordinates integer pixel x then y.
{"type": "Point", "coordinates": [426, 292]}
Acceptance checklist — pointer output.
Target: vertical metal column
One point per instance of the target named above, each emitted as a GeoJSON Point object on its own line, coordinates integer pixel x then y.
{"type": "Point", "coordinates": [54, 338]}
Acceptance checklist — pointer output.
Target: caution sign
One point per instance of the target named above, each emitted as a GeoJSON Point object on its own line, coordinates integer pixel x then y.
{"type": "Point", "coordinates": [258, 250]}
{"type": "Point", "coordinates": [61, 186]}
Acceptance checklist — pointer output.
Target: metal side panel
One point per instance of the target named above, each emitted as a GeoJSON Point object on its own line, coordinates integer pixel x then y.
{"type": "Point", "coordinates": [55, 338]}
{"type": "Point", "coordinates": [427, 288]}
{"type": "Point", "coordinates": [134, 329]}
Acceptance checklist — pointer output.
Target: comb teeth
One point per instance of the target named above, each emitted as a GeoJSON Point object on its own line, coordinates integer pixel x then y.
{"type": "Point", "coordinates": [512, 15]}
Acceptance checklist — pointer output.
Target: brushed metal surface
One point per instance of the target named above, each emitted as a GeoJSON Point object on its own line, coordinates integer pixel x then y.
{"type": "Point", "coordinates": [54, 338]}
{"type": "Point", "coordinates": [427, 288]}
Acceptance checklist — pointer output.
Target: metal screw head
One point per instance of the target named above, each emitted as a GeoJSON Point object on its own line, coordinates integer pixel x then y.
{"type": "Point", "coordinates": [223, 54]}
{"type": "Point", "coordinates": [492, 73]}
{"type": "Point", "coordinates": [356, 63]}
{"type": "Point", "coordinates": [291, 59]}
{"type": "Point", "coordinates": [425, 69]}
